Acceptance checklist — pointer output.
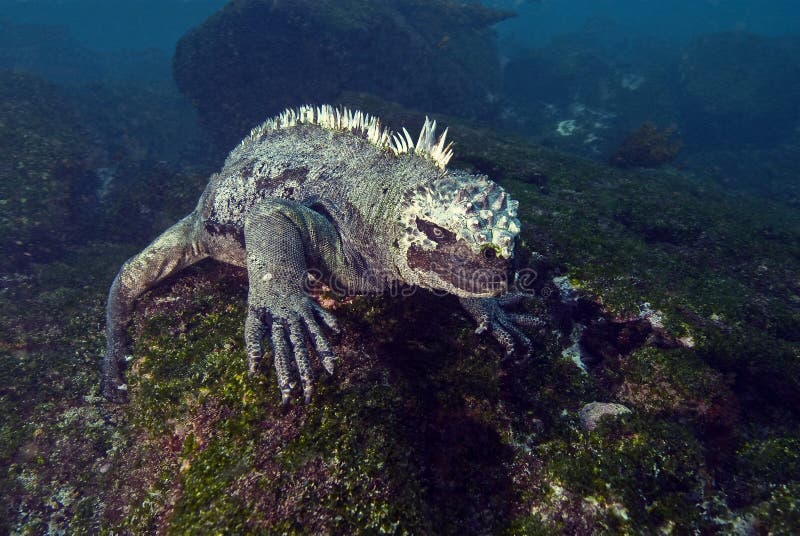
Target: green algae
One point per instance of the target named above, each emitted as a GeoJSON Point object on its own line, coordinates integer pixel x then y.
{"type": "Point", "coordinates": [645, 473]}
{"type": "Point", "coordinates": [676, 382]}
{"type": "Point", "coordinates": [175, 372]}
{"type": "Point", "coordinates": [176, 376]}
{"type": "Point", "coordinates": [768, 465]}
{"type": "Point", "coordinates": [356, 435]}
{"type": "Point", "coordinates": [53, 423]}
{"type": "Point", "coordinates": [779, 513]}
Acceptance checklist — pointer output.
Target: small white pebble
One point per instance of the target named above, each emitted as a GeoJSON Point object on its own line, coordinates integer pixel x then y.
{"type": "Point", "coordinates": [123, 387]}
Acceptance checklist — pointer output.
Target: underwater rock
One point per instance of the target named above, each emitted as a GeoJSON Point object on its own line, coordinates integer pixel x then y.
{"type": "Point", "coordinates": [48, 51]}
{"type": "Point", "coordinates": [592, 413]}
{"type": "Point", "coordinates": [255, 58]}
{"type": "Point", "coordinates": [42, 170]}
{"type": "Point", "coordinates": [581, 92]}
{"type": "Point", "coordinates": [647, 146]}
{"type": "Point", "coordinates": [81, 164]}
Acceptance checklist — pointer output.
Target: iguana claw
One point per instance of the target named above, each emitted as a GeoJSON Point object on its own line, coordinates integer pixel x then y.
{"type": "Point", "coordinates": [491, 316]}
{"type": "Point", "coordinates": [290, 329]}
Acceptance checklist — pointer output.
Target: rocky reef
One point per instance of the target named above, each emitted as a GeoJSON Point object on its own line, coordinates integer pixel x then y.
{"type": "Point", "coordinates": [660, 292]}
{"type": "Point", "coordinates": [42, 170]}
{"type": "Point", "coordinates": [730, 96]}
{"type": "Point", "coordinates": [662, 396]}
{"type": "Point", "coordinates": [255, 58]}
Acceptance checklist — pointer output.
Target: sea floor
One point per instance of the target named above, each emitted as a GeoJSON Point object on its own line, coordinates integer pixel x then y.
{"type": "Point", "coordinates": [660, 290]}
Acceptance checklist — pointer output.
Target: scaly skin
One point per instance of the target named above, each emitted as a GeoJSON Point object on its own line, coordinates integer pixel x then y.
{"type": "Point", "coordinates": [362, 213]}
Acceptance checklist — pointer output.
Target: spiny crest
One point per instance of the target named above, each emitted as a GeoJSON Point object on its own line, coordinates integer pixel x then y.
{"type": "Point", "coordinates": [344, 119]}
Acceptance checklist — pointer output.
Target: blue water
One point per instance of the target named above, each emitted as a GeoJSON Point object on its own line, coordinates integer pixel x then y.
{"type": "Point", "coordinates": [671, 20]}
{"type": "Point", "coordinates": [115, 24]}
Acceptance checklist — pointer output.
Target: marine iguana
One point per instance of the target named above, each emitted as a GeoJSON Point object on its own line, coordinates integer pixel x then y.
{"type": "Point", "coordinates": [330, 192]}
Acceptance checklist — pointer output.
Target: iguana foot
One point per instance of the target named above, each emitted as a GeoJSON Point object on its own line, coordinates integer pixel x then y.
{"type": "Point", "coordinates": [290, 330]}
{"type": "Point", "coordinates": [491, 316]}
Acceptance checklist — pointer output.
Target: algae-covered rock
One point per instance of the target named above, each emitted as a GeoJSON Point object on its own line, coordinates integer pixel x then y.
{"type": "Point", "coordinates": [647, 146]}
{"type": "Point", "coordinates": [407, 426]}
{"type": "Point", "coordinates": [42, 170]}
{"type": "Point", "coordinates": [255, 58]}
{"type": "Point", "coordinates": [70, 172]}
{"type": "Point", "coordinates": [56, 432]}
{"type": "Point", "coordinates": [592, 413]}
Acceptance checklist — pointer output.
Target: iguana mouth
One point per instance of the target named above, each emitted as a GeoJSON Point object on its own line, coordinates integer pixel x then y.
{"type": "Point", "coordinates": [458, 265]}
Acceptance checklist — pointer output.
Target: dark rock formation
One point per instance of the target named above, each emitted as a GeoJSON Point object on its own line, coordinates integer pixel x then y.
{"type": "Point", "coordinates": [42, 170]}
{"type": "Point", "coordinates": [254, 58]}
{"type": "Point", "coordinates": [584, 92]}
{"type": "Point", "coordinates": [647, 146]}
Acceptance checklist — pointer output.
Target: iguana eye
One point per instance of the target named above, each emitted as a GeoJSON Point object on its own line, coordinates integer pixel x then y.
{"type": "Point", "coordinates": [435, 233]}
{"type": "Point", "coordinates": [488, 252]}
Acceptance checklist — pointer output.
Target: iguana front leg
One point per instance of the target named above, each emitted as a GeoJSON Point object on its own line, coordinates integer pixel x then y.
{"type": "Point", "coordinates": [491, 316]}
{"type": "Point", "coordinates": [283, 239]}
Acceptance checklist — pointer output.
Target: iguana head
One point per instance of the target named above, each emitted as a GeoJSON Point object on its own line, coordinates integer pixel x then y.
{"type": "Point", "coordinates": [457, 235]}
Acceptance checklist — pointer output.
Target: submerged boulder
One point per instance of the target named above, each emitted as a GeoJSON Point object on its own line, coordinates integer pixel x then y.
{"type": "Point", "coordinates": [254, 58]}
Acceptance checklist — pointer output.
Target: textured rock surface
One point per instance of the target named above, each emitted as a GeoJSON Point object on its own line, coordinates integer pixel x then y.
{"type": "Point", "coordinates": [255, 58]}
{"type": "Point", "coordinates": [42, 168]}
{"type": "Point", "coordinates": [592, 413]}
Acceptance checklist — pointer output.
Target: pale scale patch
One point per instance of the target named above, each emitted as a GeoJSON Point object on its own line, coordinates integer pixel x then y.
{"type": "Point", "coordinates": [477, 210]}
